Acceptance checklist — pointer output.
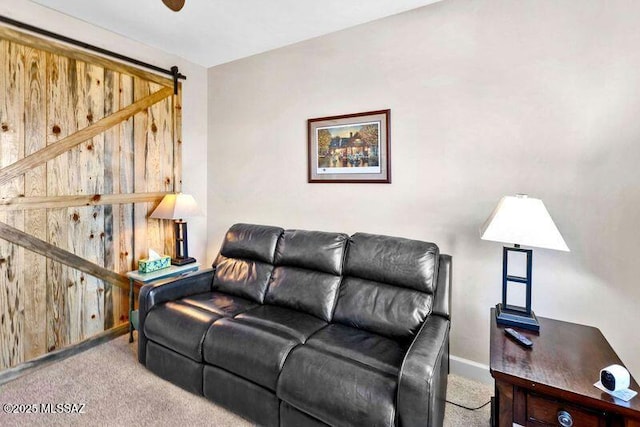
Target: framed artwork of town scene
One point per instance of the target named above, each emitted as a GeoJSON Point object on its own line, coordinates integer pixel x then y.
{"type": "Point", "coordinates": [352, 148]}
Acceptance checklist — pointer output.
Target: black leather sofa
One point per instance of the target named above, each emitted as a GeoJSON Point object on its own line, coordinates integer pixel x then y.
{"type": "Point", "coordinates": [307, 328]}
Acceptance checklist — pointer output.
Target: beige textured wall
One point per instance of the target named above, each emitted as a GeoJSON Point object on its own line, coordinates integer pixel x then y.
{"type": "Point", "coordinates": [487, 98]}
{"type": "Point", "coordinates": [194, 99]}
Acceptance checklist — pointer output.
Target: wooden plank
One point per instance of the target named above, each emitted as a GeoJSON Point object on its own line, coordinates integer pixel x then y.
{"type": "Point", "coordinates": [111, 185]}
{"type": "Point", "coordinates": [126, 243]}
{"type": "Point", "coordinates": [11, 149]}
{"type": "Point", "coordinates": [141, 128]}
{"type": "Point", "coordinates": [94, 292]}
{"type": "Point", "coordinates": [60, 123]}
{"type": "Point", "coordinates": [65, 257]}
{"type": "Point", "coordinates": [35, 298]}
{"type": "Point", "coordinates": [177, 140]}
{"type": "Point", "coordinates": [75, 177]}
{"type": "Point", "coordinates": [65, 144]}
{"type": "Point", "coordinates": [48, 45]}
{"type": "Point", "coordinates": [75, 285]}
{"type": "Point", "coordinates": [164, 135]}
{"type": "Point", "coordinates": [48, 202]}
{"type": "Point", "coordinates": [6, 338]}
{"type": "Point", "coordinates": [154, 170]}
{"type": "Point", "coordinates": [177, 157]}
{"type": "Point", "coordinates": [86, 224]}
{"type": "Point", "coordinates": [94, 301]}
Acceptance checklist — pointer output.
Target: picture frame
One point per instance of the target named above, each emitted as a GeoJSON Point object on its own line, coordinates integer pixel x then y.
{"type": "Point", "coordinates": [350, 148]}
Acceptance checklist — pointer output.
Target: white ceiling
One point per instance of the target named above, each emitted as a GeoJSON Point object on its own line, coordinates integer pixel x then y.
{"type": "Point", "coordinates": [211, 32]}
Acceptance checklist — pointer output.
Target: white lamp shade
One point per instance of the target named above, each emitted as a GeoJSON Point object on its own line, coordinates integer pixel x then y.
{"type": "Point", "coordinates": [176, 206]}
{"type": "Point", "coordinates": [524, 221]}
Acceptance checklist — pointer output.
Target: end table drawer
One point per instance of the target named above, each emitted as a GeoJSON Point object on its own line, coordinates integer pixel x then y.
{"type": "Point", "coordinates": [543, 411]}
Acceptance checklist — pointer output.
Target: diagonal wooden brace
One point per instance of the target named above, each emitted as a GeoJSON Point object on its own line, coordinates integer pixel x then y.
{"type": "Point", "coordinates": [48, 250]}
{"type": "Point", "coordinates": [65, 144]}
{"type": "Point", "coordinates": [48, 202]}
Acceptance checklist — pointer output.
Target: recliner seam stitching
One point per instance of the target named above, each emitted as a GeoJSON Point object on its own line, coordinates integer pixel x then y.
{"type": "Point", "coordinates": [347, 359]}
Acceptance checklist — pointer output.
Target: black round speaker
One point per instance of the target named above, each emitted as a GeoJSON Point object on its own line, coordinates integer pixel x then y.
{"type": "Point", "coordinates": [608, 380]}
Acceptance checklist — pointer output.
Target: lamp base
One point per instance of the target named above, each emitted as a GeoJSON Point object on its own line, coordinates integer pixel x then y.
{"type": "Point", "coordinates": [182, 261]}
{"type": "Point", "coordinates": [505, 316]}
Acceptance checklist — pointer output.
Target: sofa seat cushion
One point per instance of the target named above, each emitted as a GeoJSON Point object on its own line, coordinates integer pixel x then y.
{"type": "Point", "coordinates": [179, 327]}
{"type": "Point", "coordinates": [220, 303]}
{"type": "Point", "coordinates": [253, 350]}
{"type": "Point", "coordinates": [364, 347]}
{"type": "Point", "coordinates": [292, 322]}
{"type": "Point", "coordinates": [337, 390]}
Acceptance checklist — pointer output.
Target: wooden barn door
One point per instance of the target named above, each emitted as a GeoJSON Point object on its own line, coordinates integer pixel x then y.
{"type": "Point", "coordinates": [88, 147]}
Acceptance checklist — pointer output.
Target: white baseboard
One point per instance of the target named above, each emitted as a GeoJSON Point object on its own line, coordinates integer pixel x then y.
{"type": "Point", "coordinates": [470, 369]}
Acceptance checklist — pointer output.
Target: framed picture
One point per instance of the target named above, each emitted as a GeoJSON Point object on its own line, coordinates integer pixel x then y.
{"type": "Point", "coordinates": [352, 148]}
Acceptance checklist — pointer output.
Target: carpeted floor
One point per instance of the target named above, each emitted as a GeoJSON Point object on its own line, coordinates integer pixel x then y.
{"type": "Point", "coordinates": [117, 391]}
{"type": "Point", "coordinates": [471, 394]}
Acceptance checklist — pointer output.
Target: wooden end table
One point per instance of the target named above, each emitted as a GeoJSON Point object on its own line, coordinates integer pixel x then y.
{"type": "Point", "coordinates": [141, 279]}
{"type": "Point", "coordinates": [533, 385]}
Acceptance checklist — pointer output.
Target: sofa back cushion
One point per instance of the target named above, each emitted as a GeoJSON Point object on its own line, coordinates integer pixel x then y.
{"type": "Point", "coordinates": [245, 263]}
{"type": "Point", "coordinates": [250, 241]}
{"type": "Point", "coordinates": [312, 250]}
{"type": "Point", "coordinates": [308, 271]}
{"type": "Point", "coordinates": [388, 286]}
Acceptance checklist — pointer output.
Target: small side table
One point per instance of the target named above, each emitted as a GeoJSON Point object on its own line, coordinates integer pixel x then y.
{"type": "Point", "coordinates": [145, 278]}
{"type": "Point", "coordinates": [555, 377]}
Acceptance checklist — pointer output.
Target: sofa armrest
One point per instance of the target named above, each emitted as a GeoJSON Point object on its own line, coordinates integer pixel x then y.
{"type": "Point", "coordinates": [422, 382]}
{"type": "Point", "coordinates": [442, 295]}
{"type": "Point", "coordinates": [170, 289]}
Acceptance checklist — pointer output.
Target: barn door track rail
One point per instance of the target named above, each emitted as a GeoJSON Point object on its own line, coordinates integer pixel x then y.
{"type": "Point", "coordinates": [173, 72]}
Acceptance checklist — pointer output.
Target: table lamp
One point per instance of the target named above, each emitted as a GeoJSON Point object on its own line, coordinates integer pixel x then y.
{"type": "Point", "coordinates": [520, 220]}
{"type": "Point", "coordinates": [176, 207]}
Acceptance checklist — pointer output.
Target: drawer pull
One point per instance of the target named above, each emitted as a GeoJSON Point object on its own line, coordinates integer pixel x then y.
{"type": "Point", "coordinates": [565, 419]}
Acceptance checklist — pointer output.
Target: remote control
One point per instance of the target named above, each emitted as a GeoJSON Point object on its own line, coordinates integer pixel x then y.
{"type": "Point", "coordinates": [521, 339]}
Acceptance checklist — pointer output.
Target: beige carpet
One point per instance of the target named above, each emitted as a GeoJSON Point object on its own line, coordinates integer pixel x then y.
{"type": "Point", "coordinates": [117, 391]}
{"type": "Point", "coordinates": [471, 394]}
